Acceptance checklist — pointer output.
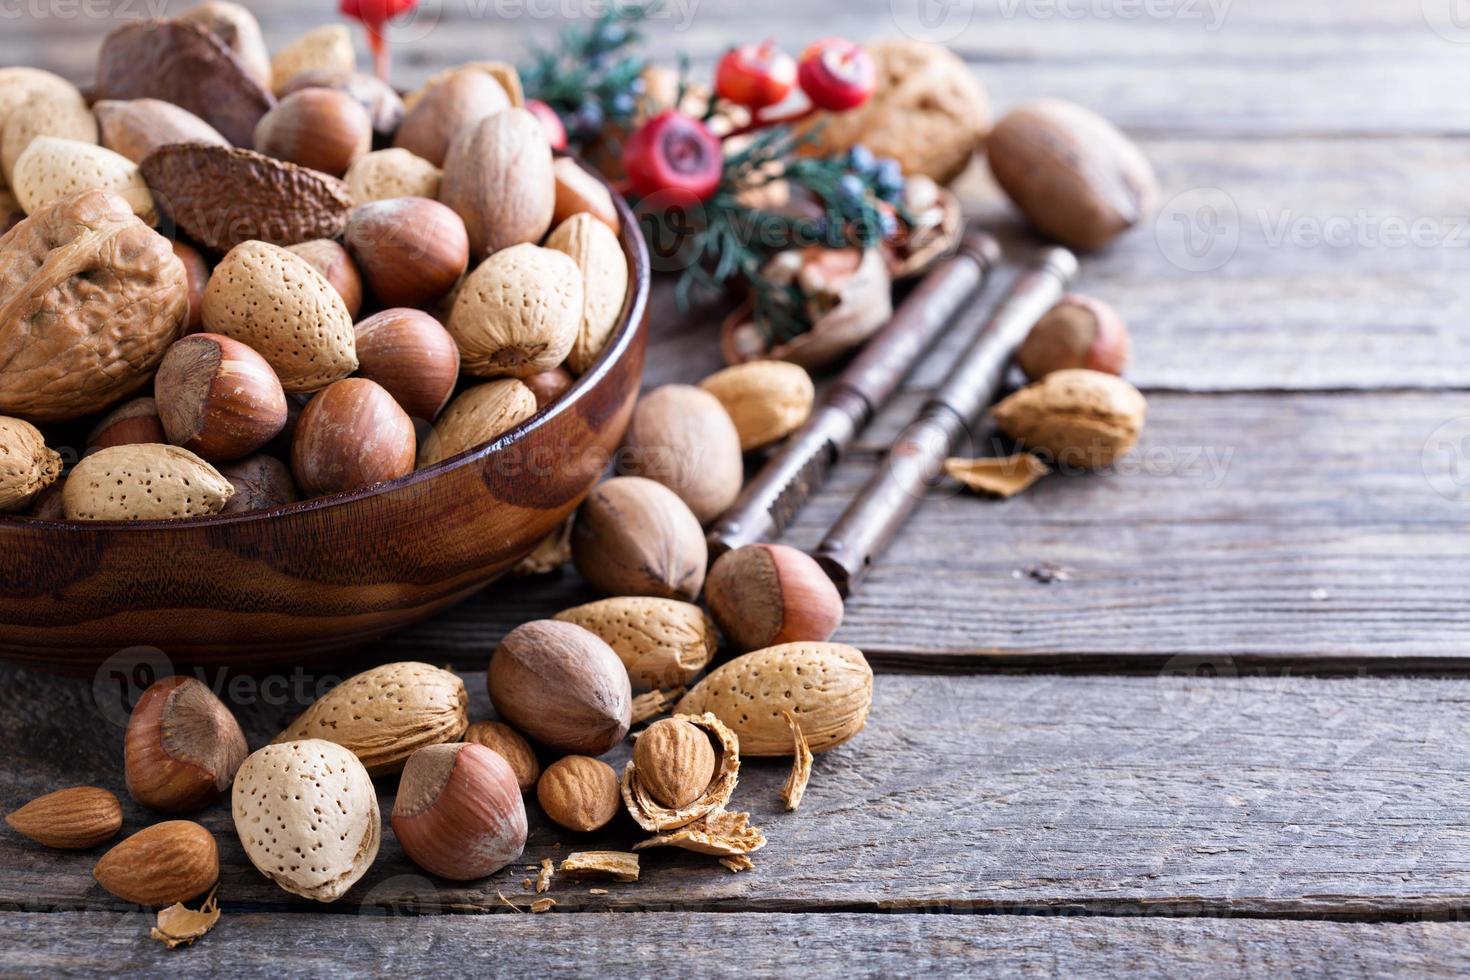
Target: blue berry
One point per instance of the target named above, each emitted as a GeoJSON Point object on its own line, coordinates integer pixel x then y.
{"type": "Point", "coordinates": [861, 160]}
{"type": "Point", "coordinates": [851, 189]}
{"type": "Point", "coordinates": [587, 120]}
{"type": "Point", "coordinates": [889, 179]}
{"type": "Point", "coordinates": [623, 104]}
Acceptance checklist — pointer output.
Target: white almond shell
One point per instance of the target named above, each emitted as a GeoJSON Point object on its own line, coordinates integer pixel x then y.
{"type": "Point", "coordinates": [27, 464]}
{"type": "Point", "coordinates": [597, 252]}
{"type": "Point", "coordinates": [52, 168]}
{"type": "Point", "coordinates": [652, 815]}
{"type": "Point", "coordinates": [827, 686]}
{"type": "Point", "coordinates": [148, 482]}
{"type": "Point", "coordinates": [387, 174]}
{"type": "Point", "coordinates": [307, 816]}
{"type": "Point", "coordinates": [518, 313]}
{"type": "Point", "coordinates": [273, 300]}
{"type": "Point", "coordinates": [663, 643]}
{"type": "Point", "coordinates": [386, 714]}
{"type": "Point", "coordinates": [44, 111]}
{"type": "Point", "coordinates": [479, 415]}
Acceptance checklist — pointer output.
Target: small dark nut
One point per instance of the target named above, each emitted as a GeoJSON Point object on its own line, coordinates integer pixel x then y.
{"type": "Point", "coordinates": [579, 793]}
{"type": "Point", "coordinates": [636, 537]}
{"type": "Point", "coordinates": [562, 686]}
{"type": "Point", "coordinates": [261, 482]}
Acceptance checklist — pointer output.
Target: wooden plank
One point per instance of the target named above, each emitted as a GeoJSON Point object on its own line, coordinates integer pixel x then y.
{"type": "Point", "coordinates": [702, 944]}
{"type": "Point", "coordinates": [1286, 797]}
{"type": "Point", "coordinates": [1200, 66]}
{"type": "Point", "coordinates": [1308, 530]}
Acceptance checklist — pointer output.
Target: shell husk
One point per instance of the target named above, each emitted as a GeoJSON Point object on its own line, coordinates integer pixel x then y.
{"type": "Point", "coordinates": [722, 834]}
{"type": "Point", "coordinates": [652, 815]}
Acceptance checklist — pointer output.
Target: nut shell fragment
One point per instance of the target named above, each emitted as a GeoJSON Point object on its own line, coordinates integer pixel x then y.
{"type": "Point", "coordinates": [721, 834]}
{"type": "Point", "coordinates": [1003, 477]}
{"type": "Point", "coordinates": [801, 766]}
{"type": "Point", "coordinates": [619, 865]}
{"type": "Point", "coordinates": [652, 815]}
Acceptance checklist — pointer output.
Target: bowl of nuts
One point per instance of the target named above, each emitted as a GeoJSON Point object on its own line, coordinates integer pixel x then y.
{"type": "Point", "coordinates": [268, 392]}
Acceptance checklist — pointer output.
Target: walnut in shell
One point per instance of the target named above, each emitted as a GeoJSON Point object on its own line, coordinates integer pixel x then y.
{"type": "Point", "coordinates": [929, 112]}
{"type": "Point", "coordinates": [90, 298]}
{"type": "Point", "coordinates": [1079, 419]}
{"type": "Point", "coordinates": [27, 465]}
{"type": "Point", "coordinates": [652, 774]}
{"type": "Point", "coordinates": [386, 714]}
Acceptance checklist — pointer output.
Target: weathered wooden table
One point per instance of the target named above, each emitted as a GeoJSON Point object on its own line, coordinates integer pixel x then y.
{"type": "Point", "coordinates": [1195, 715]}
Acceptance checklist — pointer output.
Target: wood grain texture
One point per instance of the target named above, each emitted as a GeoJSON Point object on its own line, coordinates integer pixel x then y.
{"type": "Point", "coordinates": [252, 944]}
{"type": "Point", "coordinates": [1167, 795]}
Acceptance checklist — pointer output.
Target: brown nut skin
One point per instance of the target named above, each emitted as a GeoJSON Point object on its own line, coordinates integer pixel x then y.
{"type": "Point", "coordinates": [261, 482]}
{"type": "Point", "coordinates": [319, 128]}
{"type": "Point", "coordinates": [411, 250]}
{"type": "Point", "coordinates": [1079, 332]}
{"type": "Point", "coordinates": [384, 106]}
{"type": "Point", "coordinates": [562, 686]}
{"type": "Point", "coordinates": [459, 812]}
{"type": "Point", "coordinates": [675, 761]}
{"type": "Point", "coordinates": [351, 435]}
{"type": "Point", "coordinates": [410, 354]}
{"type": "Point", "coordinates": [579, 793]}
{"type": "Point", "coordinates": [450, 106]}
{"type": "Point", "coordinates": [218, 398]}
{"type": "Point", "coordinates": [73, 819]}
{"type": "Point", "coordinates": [548, 386]}
{"type": "Point", "coordinates": [634, 536]}
{"type": "Point", "coordinates": [510, 746]}
{"type": "Point", "coordinates": [132, 423]}
{"type": "Point", "coordinates": [682, 437]}
{"type": "Point", "coordinates": [762, 595]}
{"type": "Point", "coordinates": [1074, 175]}
{"type": "Point", "coordinates": [332, 261]}
{"type": "Point", "coordinates": [196, 267]}
{"type": "Point", "coordinates": [182, 747]}
{"type": "Point", "coordinates": [137, 127]}
{"type": "Point", "coordinates": [166, 863]}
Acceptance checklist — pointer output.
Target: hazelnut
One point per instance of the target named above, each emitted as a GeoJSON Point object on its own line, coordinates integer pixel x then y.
{"type": "Point", "coordinates": [319, 128]}
{"type": "Point", "coordinates": [579, 192]}
{"type": "Point", "coordinates": [579, 793]}
{"type": "Point", "coordinates": [510, 746]}
{"type": "Point", "coordinates": [182, 747]}
{"type": "Point", "coordinates": [410, 354]}
{"type": "Point", "coordinates": [261, 482]}
{"type": "Point", "coordinates": [682, 437]}
{"type": "Point", "coordinates": [332, 261]}
{"type": "Point", "coordinates": [675, 761]}
{"type": "Point", "coordinates": [636, 537]}
{"type": "Point", "coordinates": [1079, 332]}
{"type": "Point", "coordinates": [562, 686]}
{"type": "Point", "coordinates": [351, 435]}
{"type": "Point", "coordinates": [197, 269]}
{"type": "Point", "coordinates": [218, 398]}
{"type": "Point", "coordinates": [134, 422]}
{"type": "Point", "coordinates": [459, 812]}
{"type": "Point", "coordinates": [548, 386]}
{"type": "Point", "coordinates": [411, 250]}
{"type": "Point", "coordinates": [384, 106]}
{"type": "Point", "coordinates": [762, 595]}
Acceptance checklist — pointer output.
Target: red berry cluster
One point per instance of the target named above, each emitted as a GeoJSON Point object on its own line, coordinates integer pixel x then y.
{"type": "Point", "coordinates": [674, 152]}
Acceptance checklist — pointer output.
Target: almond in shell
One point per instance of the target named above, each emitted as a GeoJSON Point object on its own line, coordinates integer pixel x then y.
{"type": "Point", "coordinates": [60, 114]}
{"type": "Point", "coordinates": [519, 313]}
{"type": "Point", "coordinates": [386, 714]}
{"type": "Point", "coordinates": [276, 302]}
{"type": "Point", "coordinates": [596, 250]}
{"type": "Point", "coordinates": [827, 686]}
{"type": "Point", "coordinates": [477, 417]}
{"type": "Point", "coordinates": [1078, 418]}
{"type": "Point", "coordinates": [386, 174]}
{"type": "Point", "coordinates": [663, 643]}
{"type": "Point", "coordinates": [767, 400]}
{"type": "Point", "coordinates": [27, 465]}
{"type": "Point", "coordinates": [52, 169]}
{"type": "Point", "coordinates": [147, 482]}
{"type": "Point", "coordinates": [307, 816]}
{"type": "Point", "coordinates": [326, 47]}
{"type": "Point", "coordinates": [684, 769]}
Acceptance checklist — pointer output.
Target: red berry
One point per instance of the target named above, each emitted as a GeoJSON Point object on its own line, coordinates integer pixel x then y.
{"type": "Point", "coordinates": [376, 12]}
{"type": "Point", "coordinates": [556, 130]}
{"type": "Point", "coordinates": [837, 75]}
{"type": "Point", "coordinates": [755, 75]}
{"type": "Point", "coordinates": [672, 152]}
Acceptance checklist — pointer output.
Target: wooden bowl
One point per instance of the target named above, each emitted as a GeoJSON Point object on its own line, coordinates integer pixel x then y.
{"type": "Point", "coordinates": [277, 587]}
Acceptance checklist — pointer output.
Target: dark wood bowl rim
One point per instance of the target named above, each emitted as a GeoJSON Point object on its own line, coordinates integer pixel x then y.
{"type": "Point", "coordinates": [636, 251]}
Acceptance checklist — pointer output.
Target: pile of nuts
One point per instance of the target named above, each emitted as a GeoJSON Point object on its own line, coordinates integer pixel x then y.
{"type": "Point", "coordinates": [330, 315]}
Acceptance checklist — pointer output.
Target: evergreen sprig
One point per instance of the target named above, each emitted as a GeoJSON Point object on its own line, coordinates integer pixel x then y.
{"type": "Point", "coordinates": [592, 76]}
